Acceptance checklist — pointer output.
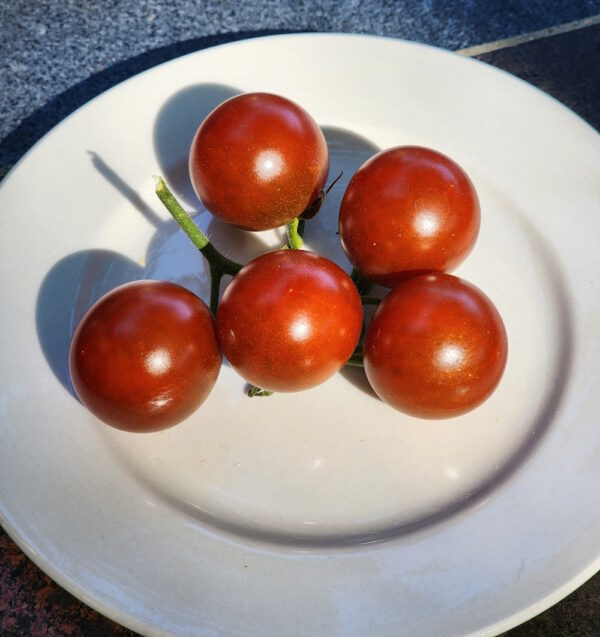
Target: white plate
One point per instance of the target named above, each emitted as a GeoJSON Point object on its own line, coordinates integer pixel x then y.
{"type": "Point", "coordinates": [326, 512]}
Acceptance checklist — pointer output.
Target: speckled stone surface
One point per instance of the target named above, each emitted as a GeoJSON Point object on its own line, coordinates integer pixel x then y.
{"type": "Point", "coordinates": [32, 605]}
{"type": "Point", "coordinates": [578, 615]}
{"type": "Point", "coordinates": [55, 56]}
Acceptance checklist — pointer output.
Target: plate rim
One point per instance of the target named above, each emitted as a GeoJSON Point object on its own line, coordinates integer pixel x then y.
{"type": "Point", "coordinates": [96, 602]}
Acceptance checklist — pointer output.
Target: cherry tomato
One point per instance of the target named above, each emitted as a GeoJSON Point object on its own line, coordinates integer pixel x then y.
{"type": "Point", "coordinates": [289, 320]}
{"type": "Point", "coordinates": [145, 356]}
{"type": "Point", "coordinates": [408, 210]}
{"type": "Point", "coordinates": [436, 347]}
{"type": "Point", "coordinates": [258, 160]}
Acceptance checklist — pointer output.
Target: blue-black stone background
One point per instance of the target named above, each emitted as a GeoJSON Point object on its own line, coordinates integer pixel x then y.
{"type": "Point", "coordinates": [57, 55]}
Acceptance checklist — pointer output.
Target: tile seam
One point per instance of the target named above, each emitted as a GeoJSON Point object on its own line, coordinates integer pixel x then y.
{"type": "Point", "coordinates": [496, 45]}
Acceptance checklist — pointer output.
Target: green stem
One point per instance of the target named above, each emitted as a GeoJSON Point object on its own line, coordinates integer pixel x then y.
{"type": "Point", "coordinates": [198, 238]}
{"type": "Point", "coordinates": [216, 274]}
{"type": "Point", "coordinates": [295, 241]}
{"type": "Point", "coordinates": [257, 391]}
{"type": "Point", "coordinates": [219, 264]}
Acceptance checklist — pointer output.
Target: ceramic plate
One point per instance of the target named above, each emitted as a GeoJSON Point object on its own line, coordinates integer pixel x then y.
{"type": "Point", "coordinates": [324, 512]}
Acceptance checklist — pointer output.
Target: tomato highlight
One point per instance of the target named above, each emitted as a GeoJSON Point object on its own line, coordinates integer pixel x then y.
{"type": "Point", "coordinates": [258, 161]}
{"type": "Point", "coordinates": [148, 353]}
{"type": "Point", "coordinates": [408, 210]}
{"type": "Point", "coordinates": [289, 320]}
{"type": "Point", "coordinates": [436, 347]}
{"type": "Point", "coordinates": [145, 356]}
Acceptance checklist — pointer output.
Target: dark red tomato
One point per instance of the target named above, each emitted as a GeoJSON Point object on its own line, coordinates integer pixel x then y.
{"type": "Point", "coordinates": [289, 320]}
{"type": "Point", "coordinates": [258, 160]}
{"type": "Point", "coordinates": [408, 210]}
{"type": "Point", "coordinates": [436, 347]}
{"type": "Point", "coordinates": [145, 356]}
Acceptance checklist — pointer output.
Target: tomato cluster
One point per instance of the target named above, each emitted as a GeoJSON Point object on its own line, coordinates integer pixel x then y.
{"type": "Point", "coordinates": [147, 354]}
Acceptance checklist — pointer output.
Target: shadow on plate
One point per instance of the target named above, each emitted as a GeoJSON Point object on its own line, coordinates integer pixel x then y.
{"type": "Point", "coordinates": [535, 428]}
{"type": "Point", "coordinates": [77, 280]}
{"type": "Point", "coordinates": [174, 129]}
{"type": "Point", "coordinates": [69, 289]}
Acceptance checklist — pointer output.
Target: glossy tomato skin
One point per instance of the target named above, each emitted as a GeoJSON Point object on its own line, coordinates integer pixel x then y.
{"type": "Point", "coordinates": [145, 356]}
{"type": "Point", "coordinates": [258, 160]}
{"type": "Point", "coordinates": [436, 347]}
{"type": "Point", "coordinates": [289, 320]}
{"type": "Point", "coordinates": [408, 210]}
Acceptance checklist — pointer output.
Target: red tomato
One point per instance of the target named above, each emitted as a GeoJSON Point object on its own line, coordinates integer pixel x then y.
{"type": "Point", "coordinates": [408, 210]}
{"type": "Point", "coordinates": [145, 356]}
{"type": "Point", "coordinates": [289, 320]}
{"type": "Point", "coordinates": [258, 160]}
{"type": "Point", "coordinates": [436, 347]}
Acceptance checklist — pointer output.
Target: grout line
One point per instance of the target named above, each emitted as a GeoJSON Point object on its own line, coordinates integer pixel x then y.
{"type": "Point", "coordinates": [528, 37]}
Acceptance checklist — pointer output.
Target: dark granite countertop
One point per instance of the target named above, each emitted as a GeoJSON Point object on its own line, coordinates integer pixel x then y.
{"type": "Point", "coordinates": [58, 55]}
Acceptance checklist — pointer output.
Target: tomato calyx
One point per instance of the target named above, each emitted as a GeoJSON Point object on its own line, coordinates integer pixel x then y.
{"type": "Point", "coordinates": [257, 391]}
{"type": "Point", "coordinates": [295, 228]}
{"type": "Point", "coordinates": [313, 208]}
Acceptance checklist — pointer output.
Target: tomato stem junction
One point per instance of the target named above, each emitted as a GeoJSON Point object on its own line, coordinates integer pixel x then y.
{"type": "Point", "coordinates": [219, 264]}
{"type": "Point", "coordinates": [316, 205]}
